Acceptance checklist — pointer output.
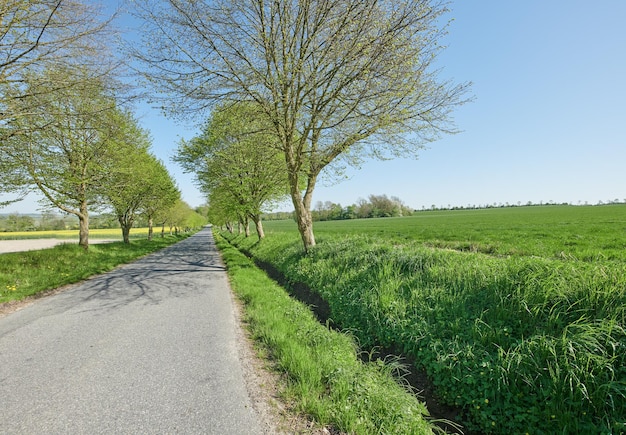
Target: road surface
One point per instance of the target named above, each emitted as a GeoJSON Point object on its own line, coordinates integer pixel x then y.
{"type": "Point", "coordinates": [149, 348]}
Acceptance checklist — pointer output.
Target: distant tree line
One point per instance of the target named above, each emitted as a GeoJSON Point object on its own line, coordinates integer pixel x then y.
{"type": "Point", "coordinates": [375, 206]}
{"type": "Point", "coordinates": [435, 207]}
{"type": "Point", "coordinates": [383, 206]}
{"type": "Point", "coordinates": [177, 218]}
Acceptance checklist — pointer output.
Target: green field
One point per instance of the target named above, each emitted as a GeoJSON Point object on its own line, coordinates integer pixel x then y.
{"type": "Point", "coordinates": [518, 315]}
{"type": "Point", "coordinates": [587, 233]}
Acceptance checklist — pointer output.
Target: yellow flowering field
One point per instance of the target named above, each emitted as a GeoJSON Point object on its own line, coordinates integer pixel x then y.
{"type": "Point", "coordinates": [110, 233]}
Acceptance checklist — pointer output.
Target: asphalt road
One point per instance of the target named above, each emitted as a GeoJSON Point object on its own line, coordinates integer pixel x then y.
{"type": "Point", "coordinates": [149, 348]}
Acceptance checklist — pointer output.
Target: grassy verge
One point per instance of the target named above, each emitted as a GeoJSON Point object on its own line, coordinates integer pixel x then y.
{"type": "Point", "coordinates": [522, 344]}
{"type": "Point", "coordinates": [325, 377]}
{"type": "Point", "coordinates": [24, 274]}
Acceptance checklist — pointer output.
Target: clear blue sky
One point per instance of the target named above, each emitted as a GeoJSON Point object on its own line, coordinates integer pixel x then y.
{"type": "Point", "coordinates": [548, 122]}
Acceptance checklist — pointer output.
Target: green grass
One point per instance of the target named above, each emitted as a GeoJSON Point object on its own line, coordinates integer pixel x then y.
{"type": "Point", "coordinates": [326, 379]}
{"type": "Point", "coordinates": [514, 323]}
{"type": "Point", "coordinates": [25, 274]}
{"type": "Point", "coordinates": [588, 233]}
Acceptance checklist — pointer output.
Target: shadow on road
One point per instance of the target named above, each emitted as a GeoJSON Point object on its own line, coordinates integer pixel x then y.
{"type": "Point", "coordinates": [181, 270]}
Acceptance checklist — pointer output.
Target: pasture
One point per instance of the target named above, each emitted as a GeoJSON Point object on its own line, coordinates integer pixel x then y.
{"type": "Point", "coordinates": [583, 232]}
{"type": "Point", "coordinates": [517, 315]}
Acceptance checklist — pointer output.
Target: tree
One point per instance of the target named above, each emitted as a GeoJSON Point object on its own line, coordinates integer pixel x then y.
{"type": "Point", "coordinates": [36, 35]}
{"type": "Point", "coordinates": [337, 79]}
{"type": "Point", "coordinates": [364, 209]}
{"type": "Point", "coordinates": [178, 216]}
{"type": "Point", "coordinates": [17, 222]}
{"type": "Point", "coordinates": [220, 213]}
{"type": "Point", "coordinates": [136, 182]}
{"type": "Point", "coordinates": [64, 149]}
{"type": "Point", "coordinates": [236, 158]}
{"type": "Point", "coordinates": [162, 195]}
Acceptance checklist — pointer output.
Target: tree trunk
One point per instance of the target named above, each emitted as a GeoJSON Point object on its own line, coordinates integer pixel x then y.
{"type": "Point", "coordinates": [150, 229]}
{"type": "Point", "coordinates": [246, 227]}
{"type": "Point", "coordinates": [126, 223]}
{"type": "Point", "coordinates": [259, 226]}
{"type": "Point", "coordinates": [305, 224]}
{"type": "Point", "coordinates": [126, 234]}
{"type": "Point", "coordinates": [302, 206]}
{"type": "Point", "coordinates": [83, 225]}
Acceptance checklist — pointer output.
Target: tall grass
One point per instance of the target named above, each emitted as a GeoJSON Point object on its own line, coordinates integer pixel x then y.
{"type": "Point", "coordinates": [326, 379]}
{"type": "Point", "coordinates": [522, 343]}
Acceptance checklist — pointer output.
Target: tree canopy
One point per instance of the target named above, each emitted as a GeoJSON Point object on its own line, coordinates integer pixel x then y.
{"type": "Point", "coordinates": [135, 181]}
{"type": "Point", "coordinates": [337, 79]}
{"type": "Point", "coordinates": [236, 161]}
{"type": "Point", "coordinates": [36, 36]}
{"type": "Point", "coordinates": [66, 140]}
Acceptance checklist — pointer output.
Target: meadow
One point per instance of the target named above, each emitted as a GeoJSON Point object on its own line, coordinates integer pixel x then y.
{"type": "Point", "coordinates": [517, 315]}
{"type": "Point", "coordinates": [586, 233]}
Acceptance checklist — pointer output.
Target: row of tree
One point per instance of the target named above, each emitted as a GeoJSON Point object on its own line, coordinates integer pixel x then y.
{"type": "Point", "coordinates": [303, 86]}
{"type": "Point", "coordinates": [308, 86]}
{"type": "Point", "coordinates": [236, 164]}
{"type": "Point", "coordinates": [65, 128]}
{"type": "Point", "coordinates": [179, 216]}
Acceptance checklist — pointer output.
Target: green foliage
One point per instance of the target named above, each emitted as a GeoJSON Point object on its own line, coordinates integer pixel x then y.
{"type": "Point", "coordinates": [377, 206]}
{"type": "Point", "coordinates": [24, 274]}
{"type": "Point", "coordinates": [338, 81]}
{"type": "Point", "coordinates": [528, 338]}
{"type": "Point", "coordinates": [65, 141]}
{"type": "Point", "coordinates": [17, 222]}
{"type": "Point", "coordinates": [325, 377]}
{"type": "Point", "coordinates": [136, 182]}
{"type": "Point", "coordinates": [236, 163]}
{"type": "Point", "coordinates": [180, 217]}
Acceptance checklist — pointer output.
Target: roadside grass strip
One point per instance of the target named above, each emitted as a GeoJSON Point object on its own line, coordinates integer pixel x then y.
{"type": "Point", "coordinates": [520, 344]}
{"type": "Point", "coordinates": [325, 378]}
{"type": "Point", "coordinates": [24, 274]}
